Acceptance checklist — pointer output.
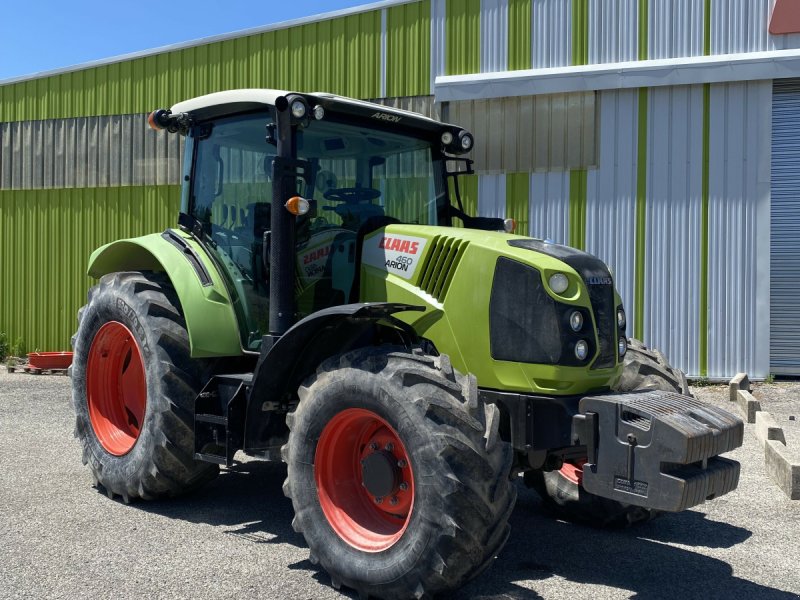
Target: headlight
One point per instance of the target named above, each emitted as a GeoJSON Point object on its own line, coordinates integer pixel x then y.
{"type": "Point", "coordinates": [319, 112]}
{"type": "Point", "coordinates": [298, 109]}
{"type": "Point", "coordinates": [623, 346]}
{"type": "Point", "coordinates": [466, 142]}
{"type": "Point", "coordinates": [447, 138]}
{"type": "Point", "coordinates": [621, 321]}
{"type": "Point", "coordinates": [558, 283]}
{"type": "Point", "coordinates": [581, 350]}
{"type": "Point", "coordinates": [576, 321]}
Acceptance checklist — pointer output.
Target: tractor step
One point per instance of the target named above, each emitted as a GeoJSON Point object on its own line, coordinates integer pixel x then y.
{"type": "Point", "coordinates": [659, 450]}
{"type": "Point", "coordinates": [219, 412]}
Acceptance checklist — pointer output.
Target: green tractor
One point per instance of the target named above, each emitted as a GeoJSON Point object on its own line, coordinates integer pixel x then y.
{"type": "Point", "coordinates": [326, 301]}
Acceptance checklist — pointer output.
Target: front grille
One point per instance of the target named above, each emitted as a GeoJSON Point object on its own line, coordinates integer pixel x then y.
{"type": "Point", "coordinates": [525, 323]}
{"type": "Point", "coordinates": [596, 276]}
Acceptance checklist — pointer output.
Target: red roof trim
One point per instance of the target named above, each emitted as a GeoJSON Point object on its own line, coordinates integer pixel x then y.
{"type": "Point", "coordinates": [785, 17]}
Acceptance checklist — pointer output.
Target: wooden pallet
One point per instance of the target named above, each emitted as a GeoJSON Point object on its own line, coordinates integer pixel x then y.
{"type": "Point", "coordinates": [34, 371]}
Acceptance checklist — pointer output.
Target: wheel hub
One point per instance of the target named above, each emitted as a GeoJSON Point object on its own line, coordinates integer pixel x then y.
{"type": "Point", "coordinates": [380, 473]}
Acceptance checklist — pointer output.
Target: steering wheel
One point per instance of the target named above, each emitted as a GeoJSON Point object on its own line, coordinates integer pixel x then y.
{"type": "Point", "coordinates": [354, 195]}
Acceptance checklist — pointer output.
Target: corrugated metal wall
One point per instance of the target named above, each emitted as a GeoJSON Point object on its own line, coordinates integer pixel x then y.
{"type": "Point", "coordinates": [613, 31]}
{"type": "Point", "coordinates": [549, 212]}
{"type": "Point", "coordinates": [46, 237]}
{"type": "Point", "coordinates": [611, 191]}
{"type": "Point", "coordinates": [673, 224]}
{"type": "Point", "coordinates": [494, 35]}
{"type": "Point", "coordinates": [529, 133]}
{"type": "Point", "coordinates": [87, 152]}
{"type": "Point", "coordinates": [551, 33]}
{"type": "Point", "coordinates": [739, 229]}
{"type": "Point", "coordinates": [408, 48]}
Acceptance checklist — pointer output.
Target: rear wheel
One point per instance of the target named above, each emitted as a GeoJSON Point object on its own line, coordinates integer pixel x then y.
{"type": "Point", "coordinates": [133, 389]}
{"type": "Point", "coordinates": [398, 478]}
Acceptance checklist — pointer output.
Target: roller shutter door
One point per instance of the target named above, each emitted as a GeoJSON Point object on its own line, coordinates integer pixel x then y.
{"type": "Point", "coordinates": [785, 239]}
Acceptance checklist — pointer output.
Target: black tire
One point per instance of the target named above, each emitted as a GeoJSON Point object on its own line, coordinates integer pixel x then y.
{"type": "Point", "coordinates": [566, 499]}
{"type": "Point", "coordinates": [648, 369]}
{"type": "Point", "coordinates": [463, 496]}
{"type": "Point", "coordinates": [161, 462]}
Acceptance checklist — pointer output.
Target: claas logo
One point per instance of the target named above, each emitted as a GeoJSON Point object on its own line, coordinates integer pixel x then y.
{"type": "Point", "coordinates": [399, 245]}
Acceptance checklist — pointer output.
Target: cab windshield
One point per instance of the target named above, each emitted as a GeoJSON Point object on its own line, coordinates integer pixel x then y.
{"type": "Point", "coordinates": [360, 178]}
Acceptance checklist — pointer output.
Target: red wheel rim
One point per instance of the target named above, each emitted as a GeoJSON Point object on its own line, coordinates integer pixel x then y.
{"type": "Point", "coordinates": [573, 470]}
{"type": "Point", "coordinates": [359, 455]}
{"type": "Point", "coordinates": [115, 388]}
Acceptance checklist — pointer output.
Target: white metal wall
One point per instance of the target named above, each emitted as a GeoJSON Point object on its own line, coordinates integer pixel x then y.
{"type": "Point", "coordinates": [549, 208]}
{"type": "Point", "coordinates": [673, 224]}
{"type": "Point", "coordinates": [492, 195]}
{"type": "Point", "coordinates": [494, 35]}
{"type": "Point", "coordinates": [551, 33]}
{"type": "Point", "coordinates": [739, 229]}
{"type": "Point", "coordinates": [611, 192]}
{"type": "Point", "coordinates": [785, 251]}
{"type": "Point", "coordinates": [613, 31]}
{"type": "Point", "coordinates": [742, 26]}
{"type": "Point", "coordinates": [675, 28]}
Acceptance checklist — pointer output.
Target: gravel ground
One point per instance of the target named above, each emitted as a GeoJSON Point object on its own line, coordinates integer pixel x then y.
{"type": "Point", "coordinates": [60, 538]}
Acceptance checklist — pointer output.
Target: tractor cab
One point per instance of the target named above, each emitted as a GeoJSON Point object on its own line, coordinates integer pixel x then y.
{"type": "Point", "coordinates": [351, 168]}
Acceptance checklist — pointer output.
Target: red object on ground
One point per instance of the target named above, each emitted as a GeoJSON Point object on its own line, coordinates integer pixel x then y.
{"type": "Point", "coordinates": [352, 439]}
{"type": "Point", "coordinates": [115, 388]}
{"type": "Point", "coordinates": [49, 360]}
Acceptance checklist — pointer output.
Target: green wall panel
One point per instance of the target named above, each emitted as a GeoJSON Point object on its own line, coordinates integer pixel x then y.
{"type": "Point", "coordinates": [518, 191]}
{"type": "Point", "coordinates": [462, 32]}
{"type": "Point", "coordinates": [468, 188]}
{"type": "Point", "coordinates": [519, 35]}
{"type": "Point", "coordinates": [408, 49]}
{"type": "Point", "coordinates": [337, 55]}
{"type": "Point", "coordinates": [580, 32]}
{"type": "Point", "coordinates": [46, 237]}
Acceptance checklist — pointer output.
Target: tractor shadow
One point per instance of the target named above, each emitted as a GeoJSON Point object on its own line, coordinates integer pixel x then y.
{"type": "Point", "coordinates": [638, 559]}
{"type": "Point", "coordinates": [247, 500]}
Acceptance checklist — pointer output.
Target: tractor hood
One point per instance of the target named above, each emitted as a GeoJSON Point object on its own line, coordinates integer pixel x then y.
{"type": "Point", "coordinates": [491, 296]}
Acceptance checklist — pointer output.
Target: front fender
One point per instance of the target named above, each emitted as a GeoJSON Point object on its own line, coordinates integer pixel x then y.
{"type": "Point", "coordinates": [210, 319]}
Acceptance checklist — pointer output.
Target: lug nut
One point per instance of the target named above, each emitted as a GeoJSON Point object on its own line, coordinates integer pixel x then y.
{"type": "Point", "coordinates": [404, 486]}
{"type": "Point", "coordinates": [378, 500]}
{"type": "Point", "coordinates": [373, 446]}
{"type": "Point", "coordinates": [393, 500]}
{"type": "Point", "coordinates": [389, 447]}
{"type": "Point", "coordinates": [402, 464]}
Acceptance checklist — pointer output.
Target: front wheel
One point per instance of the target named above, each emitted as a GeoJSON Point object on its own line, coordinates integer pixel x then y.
{"type": "Point", "coordinates": [399, 481]}
{"type": "Point", "coordinates": [645, 369]}
{"type": "Point", "coordinates": [133, 389]}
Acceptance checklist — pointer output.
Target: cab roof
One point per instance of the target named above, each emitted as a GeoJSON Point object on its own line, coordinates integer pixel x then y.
{"type": "Point", "coordinates": [229, 102]}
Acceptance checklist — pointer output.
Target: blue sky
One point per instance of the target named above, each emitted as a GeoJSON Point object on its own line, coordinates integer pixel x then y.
{"type": "Point", "coordinates": [39, 35]}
